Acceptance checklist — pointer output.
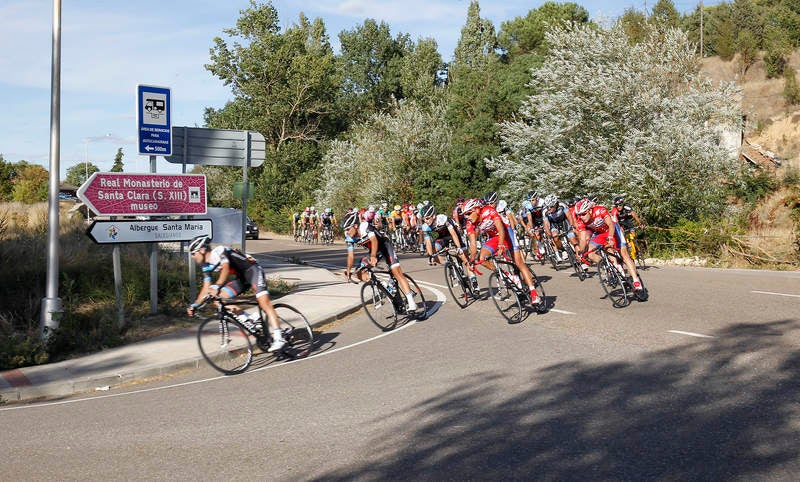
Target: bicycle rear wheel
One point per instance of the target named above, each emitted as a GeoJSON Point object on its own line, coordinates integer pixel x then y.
{"type": "Point", "coordinates": [505, 298]}
{"type": "Point", "coordinates": [225, 344]}
{"type": "Point", "coordinates": [455, 284]}
{"type": "Point", "coordinates": [419, 298]}
{"type": "Point", "coordinates": [574, 261]}
{"type": "Point", "coordinates": [613, 284]}
{"type": "Point", "coordinates": [377, 302]}
{"type": "Point", "coordinates": [296, 331]}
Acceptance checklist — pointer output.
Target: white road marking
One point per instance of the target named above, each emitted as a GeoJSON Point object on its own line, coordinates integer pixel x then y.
{"type": "Point", "coordinates": [776, 294]}
{"type": "Point", "coordinates": [563, 312]}
{"type": "Point", "coordinates": [689, 333]}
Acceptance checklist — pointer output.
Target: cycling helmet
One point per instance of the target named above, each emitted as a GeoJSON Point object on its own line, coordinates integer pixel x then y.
{"type": "Point", "coordinates": [313, 209]}
{"type": "Point", "coordinates": [490, 197]}
{"type": "Point", "coordinates": [350, 220]}
{"type": "Point", "coordinates": [199, 243]}
{"type": "Point", "coordinates": [471, 205]}
{"type": "Point", "coordinates": [441, 219]}
{"type": "Point", "coordinates": [550, 201]}
{"type": "Point", "coordinates": [397, 207]}
{"type": "Point", "coordinates": [502, 206]}
{"type": "Point", "coordinates": [532, 195]}
{"type": "Point", "coordinates": [307, 209]}
{"type": "Point", "coordinates": [328, 210]}
{"type": "Point", "coordinates": [369, 214]}
{"type": "Point", "coordinates": [583, 206]}
{"type": "Point", "coordinates": [428, 210]}
{"type": "Point", "coordinates": [619, 201]}
{"type": "Point", "coordinates": [459, 200]}
{"type": "Point", "coordinates": [384, 205]}
{"type": "Point", "coordinates": [425, 203]}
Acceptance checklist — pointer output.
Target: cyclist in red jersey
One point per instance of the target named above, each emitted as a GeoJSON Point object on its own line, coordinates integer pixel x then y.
{"type": "Point", "coordinates": [596, 221]}
{"type": "Point", "coordinates": [486, 220]}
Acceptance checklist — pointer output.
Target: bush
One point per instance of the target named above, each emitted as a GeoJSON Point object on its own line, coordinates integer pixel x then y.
{"type": "Point", "coordinates": [791, 89]}
{"type": "Point", "coordinates": [775, 63]}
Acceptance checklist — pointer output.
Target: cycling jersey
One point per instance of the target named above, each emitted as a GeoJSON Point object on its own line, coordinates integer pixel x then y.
{"type": "Point", "coordinates": [486, 224]}
{"type": "Point", "coordinates": [369, 234]}
{"type": "Point", "coordinates": [624, 216]}
{"type": "Point", "coordinates": [558, 218]}
{"type": "Point", "coordinates": [242, 266]}
{"type": "Point", "coordinates": [599, 229]}
{"type": "Point", "coordinates": [327, 218]}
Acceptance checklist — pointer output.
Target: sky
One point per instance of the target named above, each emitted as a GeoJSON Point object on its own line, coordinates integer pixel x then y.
{"type": "Point", "coordinates": [108, 47]}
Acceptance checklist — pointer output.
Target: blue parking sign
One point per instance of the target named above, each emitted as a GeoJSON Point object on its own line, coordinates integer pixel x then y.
{"type": "Point", "coordinates": [154, 117]}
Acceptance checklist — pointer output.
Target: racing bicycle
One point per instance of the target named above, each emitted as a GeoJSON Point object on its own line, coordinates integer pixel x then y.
{"type": "Point", "coordinates": [457, 278]}
{"type": "Point", "coordinates": [617, 284]}
{"type": "Point", "coordinates": [385, 303]}
{"type": "Point", "coordinates": [508, 291]}
{"type": "Point", "coordinates": [227, 343]}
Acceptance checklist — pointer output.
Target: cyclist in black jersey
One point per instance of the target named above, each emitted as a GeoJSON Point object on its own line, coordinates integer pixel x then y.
{"type": "Point", "coordinates": [235, 269]}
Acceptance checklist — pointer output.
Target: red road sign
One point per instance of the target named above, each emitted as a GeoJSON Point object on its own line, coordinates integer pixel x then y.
{"type": "Point", "coordinates": [122, 194]}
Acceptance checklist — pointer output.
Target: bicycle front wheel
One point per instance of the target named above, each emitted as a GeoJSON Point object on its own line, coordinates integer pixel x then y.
{"type": "Point", "coordinates": [455, 284]}
{"type": "Point", "coordinates": [225, 344]}
{"type": "Point", "coordinates": [378, 304]}
{"type": "Point", "coordinates": [613, 284]}
{"type": "Point", "coordinates": [296, 331]}
{"type": "Point", "coordinates": [505, 299]}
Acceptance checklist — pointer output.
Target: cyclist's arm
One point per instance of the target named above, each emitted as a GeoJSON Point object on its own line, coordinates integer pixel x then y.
{"type": "Point", "coordinates": [501, 232]}
{"type": "Point", "coordinates": [636, 217]}
{"type": "Point", "coordinates": [611, 230]}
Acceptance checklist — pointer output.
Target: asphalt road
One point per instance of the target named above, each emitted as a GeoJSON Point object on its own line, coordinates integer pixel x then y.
{"type": "Point", "coordinates": [698, 383]}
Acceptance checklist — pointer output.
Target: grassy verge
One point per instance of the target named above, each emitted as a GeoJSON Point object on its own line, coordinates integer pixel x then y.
{"type": "Point", "coordinates": [86, 288]}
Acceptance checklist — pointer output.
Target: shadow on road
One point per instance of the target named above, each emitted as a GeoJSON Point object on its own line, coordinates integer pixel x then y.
{"type": "Point", "coordinates": [712, 410]}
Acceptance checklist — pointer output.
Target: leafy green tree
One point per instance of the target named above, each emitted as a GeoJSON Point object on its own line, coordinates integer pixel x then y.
{"type": "Point", "coordinates": [79, 173]}
{"type": "Point", "coordinates": [747, 15]}
{"type": "Point", "coordinates": [665, 15]}
{"type": "Point", "coordinates": [747, 45]}
{"type": "Point", "coordinates": [526, 34]}
{"type": "Point", "coordinates": [118, 165]}
{"type": "Point", "coordinates": [31, 183]}
{"type": "Point", "coordinates": [634, 23]}
{"type": "Point", "coordinates": [284, 84]}
{"type": "Point", "coordinates": [418, 72]}
{"type": "Point", "coordinates": [609, 118]}
{"type": "Point", "coordinates": [476, 45]}
{"type": "Point", "coordinates": [7, 174]}
{"type": "Point", "coordinates": [791, 88]}
{"type": "Point", "coordinates": [370, 67]}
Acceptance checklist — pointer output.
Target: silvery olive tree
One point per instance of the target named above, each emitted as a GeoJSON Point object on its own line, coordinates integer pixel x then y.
{"type": "Point", "coordinates": [609, 117]}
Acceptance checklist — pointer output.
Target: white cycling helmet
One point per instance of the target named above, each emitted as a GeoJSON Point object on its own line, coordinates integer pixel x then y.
{"type": "Point", "coordinates": [199, 243]}
{"type": "Point", "coordinates": [502, 205]}
{"type": "Point", "coordinates": [550, 201]}
{"type": "Point", "coordinates": [583, 206]}
{"type": "Point", "coordinates": [441, 219]}
{"type": "Point", "coordinates": [470, 205]}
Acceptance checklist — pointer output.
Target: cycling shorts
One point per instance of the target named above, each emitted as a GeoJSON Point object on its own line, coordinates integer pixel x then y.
{"type": "Point", "coordinates": [442, 242]}
{"type": "Point", "coordinates": [600, 239]}
{"type": "Point", "coordinates": [492, 244]}
{"type": "Point", "coordinates": [254, 276]}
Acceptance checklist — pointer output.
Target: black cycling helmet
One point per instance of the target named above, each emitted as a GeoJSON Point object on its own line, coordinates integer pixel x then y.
{"type": "Point", "coordinates": [532, 194]}
{"type": "Point", "coordinates": [619, 201]}
{"type": "Point", "coordinates": [199, 243]}
{"type": "Point", "coordinates": [490, 197]}
{"type": "Point", "coordinates": [350, 219]}
{"type": "Point", "coordinates": [428, 210]}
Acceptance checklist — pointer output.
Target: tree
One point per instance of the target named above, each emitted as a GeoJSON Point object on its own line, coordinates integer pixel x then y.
{"type": "Point", "coordinates": [665, 15]}
{"type": "Point", "coordinates": [747, 45]}
{"type": "Point", "coordinates": [418, 72]}
{"type": "Point", "coordinates": [284, 84]}
{"type": "Point", "coordinates": [384, 156]}
{"type": "Point", "coordinates": [634, 23]}
{"type": "Point", "coordinates": [477, 43]}
{"type": "Point", "coordinates": [526, 34]}
{"type": "Point", "coordinates": [31, 183]}
{"type": "Point", "coordinates": [118, 165]}
{"type": "Point", "coordinates": [791, 88]}
{"type": "Point", "coordinates": [7, 174]}
{"type": "Point", "coordinates": [608, 117]}
{"type": "Point", "coordinates": [79, 173]}
{"type": "Point", "coordinates": [370, 67]}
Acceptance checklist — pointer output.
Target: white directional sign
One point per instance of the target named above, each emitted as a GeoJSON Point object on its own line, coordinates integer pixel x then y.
{"type": "Point", "coordinates": [132, 231]}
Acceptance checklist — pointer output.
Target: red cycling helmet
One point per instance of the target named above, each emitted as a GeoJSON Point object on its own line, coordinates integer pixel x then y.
{"type": "Point", "coordinates": [470, 205]}
{"type": "Point", "coordinates": [583, 206]}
